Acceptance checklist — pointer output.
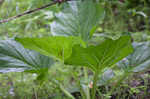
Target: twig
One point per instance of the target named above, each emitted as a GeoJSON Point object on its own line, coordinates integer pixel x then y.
{"type": "Point", "coordinates": [29, 12]}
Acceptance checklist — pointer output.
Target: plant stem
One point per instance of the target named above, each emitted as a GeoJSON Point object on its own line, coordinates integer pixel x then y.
{"type": "Point", "coordinates": [66, 92]}
{"type": "Point", "coordinates": [77, 79]}
{"type": "Point", "coordinates": [93, 94]}
{"type": "Point", "coordinates": [86, 77]}
{"type": "Point", "coordinates": [35, 94]}
{"type": "Point", "coordinates": [81, 89]}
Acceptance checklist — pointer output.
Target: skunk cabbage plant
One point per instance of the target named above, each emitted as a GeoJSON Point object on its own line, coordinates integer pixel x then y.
{"type": "Point", "coordinates": [72, 29]}
{"type": "Point", "coordinates": [94, 57]}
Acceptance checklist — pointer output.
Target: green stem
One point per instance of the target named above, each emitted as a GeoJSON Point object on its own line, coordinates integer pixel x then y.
{"type": "Point", "coordinates": [77, 80]}
{"type": "Point", "coordinates": [100, 94]}
{"type": "Point", "coordinates": [66, 92]}
{"type": "Point", "coordinates": [95, 79]}
{"type": "Point", "coordinates": [81, 90]}
{"type": "Point", "coordinates": [86, 77]}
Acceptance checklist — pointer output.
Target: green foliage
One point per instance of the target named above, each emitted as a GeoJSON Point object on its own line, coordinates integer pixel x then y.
{"type": "Point", "coordinates": [59, 47]}
{"type": "Point", "coordinates": [14, 57]}
{"type": "Point", "coordinates": [32, 25]}
{"type": "Point", "coordinates": [100, 56]}
{"type": "Point", "coordinates": [79, 18]}
{"type": "Point", "coordinates": [139, 60]}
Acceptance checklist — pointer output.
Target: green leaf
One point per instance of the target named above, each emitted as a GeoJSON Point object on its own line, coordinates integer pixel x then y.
{"type": "Point", "coordinates": [100, 56]}
{"type": "Point", "coordinates": [139, 60]}
{"type": "Point", "coordinates": [79, 18]}
{"type": "Point", "coordinates": [58, 47]}
{"type": "Point", "coordinates": [14, 57]}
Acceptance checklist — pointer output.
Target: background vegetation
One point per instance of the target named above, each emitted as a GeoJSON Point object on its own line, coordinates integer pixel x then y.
{"type": "Point", "coordinates": [121, 16]}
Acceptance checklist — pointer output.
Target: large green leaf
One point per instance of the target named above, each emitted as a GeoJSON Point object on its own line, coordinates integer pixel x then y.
{"type": "Point", "coordinates": [139, 60]}
{"type": "Point", "coordinates": [79, 18]}
{"type": "Point", "coordinates": [58, 47]}
{"type": "Point", "coordinates": [98, 57]}
{"type": "Point", "coordinates": [14, 57]}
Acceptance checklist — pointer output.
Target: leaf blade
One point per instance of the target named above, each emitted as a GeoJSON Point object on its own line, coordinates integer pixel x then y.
{"type": "Point", "coordinates": [58, 46]}
{"type": "Point", "coordinates": [14, 57]}
{"type": "Point", "coordinates": [139, 60]}
{"type": "Point", "coordinates": [100, 56]}
{"type": "Point", "coordinates": [78, 19]}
